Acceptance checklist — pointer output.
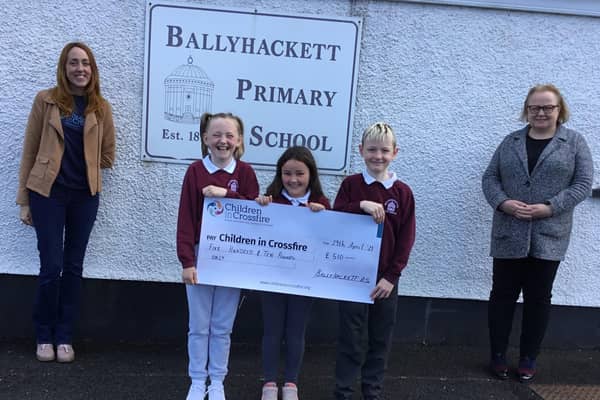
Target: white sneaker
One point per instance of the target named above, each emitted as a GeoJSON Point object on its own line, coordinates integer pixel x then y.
{"type": "Point", "coordinates": [197, 391]}
{"type": "Point", "coordinates": [289, 393]}
{"type": "Point", "coordinates": [216, 391]}
{"type": "Point", "coordinates": [269, 393]}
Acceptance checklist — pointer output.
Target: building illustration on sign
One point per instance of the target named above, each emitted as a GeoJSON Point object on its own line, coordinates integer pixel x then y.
{"type": "Point", "coordinates": [188, 93]}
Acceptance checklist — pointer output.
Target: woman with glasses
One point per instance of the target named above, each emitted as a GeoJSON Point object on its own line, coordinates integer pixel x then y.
{"type": "Point", "coordinates": [535, 179]}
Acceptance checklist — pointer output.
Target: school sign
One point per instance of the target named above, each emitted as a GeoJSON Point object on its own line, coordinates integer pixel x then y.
{"type": "Point", "coordinates": [291, 78]}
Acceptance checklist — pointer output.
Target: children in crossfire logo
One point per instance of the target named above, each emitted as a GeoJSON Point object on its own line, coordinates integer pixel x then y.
{"type": "Point", "coordinates": [215, 208]}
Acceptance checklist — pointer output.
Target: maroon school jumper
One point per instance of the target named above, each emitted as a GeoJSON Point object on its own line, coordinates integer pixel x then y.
{"type": "Point", "coordinates": [241, 184]}
{"type": "Point", "coordinates": [399, 225]}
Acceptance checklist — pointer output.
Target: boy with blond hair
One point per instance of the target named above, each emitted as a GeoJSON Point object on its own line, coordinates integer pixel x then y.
{"type": "Point", "coordinates": [379, 193]}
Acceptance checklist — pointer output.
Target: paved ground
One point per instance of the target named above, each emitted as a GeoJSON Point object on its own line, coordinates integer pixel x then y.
{"type": "Point", "coordinates": [152, 371]}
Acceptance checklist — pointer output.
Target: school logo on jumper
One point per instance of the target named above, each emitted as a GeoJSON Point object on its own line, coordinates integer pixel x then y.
{"type": "Point", "coordinates": [233, 185]}
{"type": "Point", "coordinates": [188, 93]}
{"type": "Point", "coordinates": [215, 208]}
{"type": "Point", "coordinates": [391, 206]}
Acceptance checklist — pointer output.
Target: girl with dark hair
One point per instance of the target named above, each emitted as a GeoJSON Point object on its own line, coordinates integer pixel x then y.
{"type": "Point", "coordinates": [285, 316]}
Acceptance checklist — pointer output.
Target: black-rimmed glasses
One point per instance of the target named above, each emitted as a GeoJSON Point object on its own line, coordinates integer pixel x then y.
{"type": "Point", "coordinates": [547, 109]}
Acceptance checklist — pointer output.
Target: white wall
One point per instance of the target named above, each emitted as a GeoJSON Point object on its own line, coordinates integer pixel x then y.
{"type": "Point", "coordinates": [450, 80]}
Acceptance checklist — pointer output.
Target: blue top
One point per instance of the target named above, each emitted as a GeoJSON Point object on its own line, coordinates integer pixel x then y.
{"type": "Point", "coordinates": [72, 168]}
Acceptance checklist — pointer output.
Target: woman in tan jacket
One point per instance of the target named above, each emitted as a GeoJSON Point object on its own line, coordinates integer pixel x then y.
{"type": "Point", "coordinates": [70, 136]}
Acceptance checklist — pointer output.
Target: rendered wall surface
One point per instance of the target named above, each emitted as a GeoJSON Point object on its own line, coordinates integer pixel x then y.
{"type": "Point", "coordinates": [450, 80]}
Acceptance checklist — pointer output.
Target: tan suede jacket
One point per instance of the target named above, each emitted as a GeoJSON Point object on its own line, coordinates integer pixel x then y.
{"type": "Point", "coordinates": [44, 147]}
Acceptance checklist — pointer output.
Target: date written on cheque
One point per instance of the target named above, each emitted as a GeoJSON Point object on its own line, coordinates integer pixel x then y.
{"type": "Point", "coordinates": [349, 245]}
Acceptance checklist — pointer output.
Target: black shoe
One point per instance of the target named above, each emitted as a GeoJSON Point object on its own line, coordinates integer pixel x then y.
{"type": "Point", "coordinates": [498, 366]}
{"type": "Point", "coordinates": [526, 370]}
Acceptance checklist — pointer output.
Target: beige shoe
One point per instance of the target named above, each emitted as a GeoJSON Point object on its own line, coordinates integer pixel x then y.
{"type": "Point", "coordinates": [289, 393]}
{"type": "Point", "coordinates": [45, 352]}
{"type": "Point", "coordinates": [269, 393]}
{"type": "Point", "coordinates": [65, 353]}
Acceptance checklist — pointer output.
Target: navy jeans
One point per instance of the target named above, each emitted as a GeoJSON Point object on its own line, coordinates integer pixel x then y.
{"type": "Point", "coordinates": [63, 223]}
{"type": "Point", "coordinates": [535, 278]}
{"type": "Point", "coordinates": [285, 317]}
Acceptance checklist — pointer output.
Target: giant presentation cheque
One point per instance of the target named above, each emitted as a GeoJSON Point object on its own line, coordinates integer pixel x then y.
{"type": "Point", "coordinates": [280, 248]}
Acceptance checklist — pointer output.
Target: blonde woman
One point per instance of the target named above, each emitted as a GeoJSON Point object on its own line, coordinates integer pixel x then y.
{"type": "Point", "coordinates": [535, 179]}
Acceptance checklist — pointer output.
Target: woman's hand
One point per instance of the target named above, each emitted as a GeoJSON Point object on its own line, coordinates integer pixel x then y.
{"type": "Point", "coordinates": [374, 209]}
{"type": "Point", "coordinates": [516, 208]}
{"type": "Point", "coordinates": [25, 215]}
{"type": "Point", "coordinates": [264, 200]}
{"type": "Point", "coordinates": [214, 191]}
{"type": "Point", "coordinates": [539, 211]}
{"type": "Point", "coordinates": [525, 211]}
{"type": "Point", "coordinates": [189, 276]}
{"type": "Point", "coordinates": [382, 290]}
{"type": "Point", "coordinates": [315, 206]}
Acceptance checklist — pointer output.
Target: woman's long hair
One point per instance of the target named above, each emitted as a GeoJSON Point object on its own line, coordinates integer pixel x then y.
{"type": "Point", "coordinates": [62, 94]}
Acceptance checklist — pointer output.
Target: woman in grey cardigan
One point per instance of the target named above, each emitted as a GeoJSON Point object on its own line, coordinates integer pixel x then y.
{"type": "Point", "coordinates": [535, 179]}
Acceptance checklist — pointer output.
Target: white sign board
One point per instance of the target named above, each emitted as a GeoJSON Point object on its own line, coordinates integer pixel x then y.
{"type": "Point", "coordinates": [291, 78]}
{"type": "Point", "coordinates": [245, 245]}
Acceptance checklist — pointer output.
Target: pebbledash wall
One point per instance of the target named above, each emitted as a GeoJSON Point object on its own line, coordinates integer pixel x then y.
{"type": "Point", "coordinates": [449, 78]}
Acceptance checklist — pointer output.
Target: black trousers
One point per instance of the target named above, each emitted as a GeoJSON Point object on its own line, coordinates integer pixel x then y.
{"type": "Point", "coordinates": [364, 340]}
{"type": "Point", "coordinates": [535, 278]}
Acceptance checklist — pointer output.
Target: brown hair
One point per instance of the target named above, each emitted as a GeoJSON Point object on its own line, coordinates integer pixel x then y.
{"type": "Point", "coordinates": [563, 110]}
{"type": "Point", "coordinates": [61, 93]}
{"type": "Point", "coordinates": [205, 122]}
{"type": "Point", "coordinates": [302, 154]}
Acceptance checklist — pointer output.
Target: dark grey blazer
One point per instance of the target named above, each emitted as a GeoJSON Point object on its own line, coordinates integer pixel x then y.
{"type": "Point", "coordinates": [562, 177]}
